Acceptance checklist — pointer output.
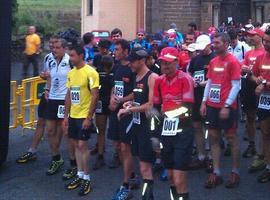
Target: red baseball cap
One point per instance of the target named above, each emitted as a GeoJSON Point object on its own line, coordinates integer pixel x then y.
{"type": "Point", "coordinates": [256, 31]}
{"type": "Point", "coordinates": [169, 54]}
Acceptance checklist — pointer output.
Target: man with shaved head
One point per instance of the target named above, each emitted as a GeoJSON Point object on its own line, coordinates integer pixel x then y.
{"type": "Point", "coordinates": [32, 49]}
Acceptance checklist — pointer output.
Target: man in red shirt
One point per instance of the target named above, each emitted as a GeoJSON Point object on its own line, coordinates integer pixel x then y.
{"type": "Point", "coordinates": [261, 76]}
{"type": "Point", "coordinates": [248, 97]}
{"type": "Point", "coordinates": [219, 105]}
{"type": "Point", "coordinates": [173, 91]}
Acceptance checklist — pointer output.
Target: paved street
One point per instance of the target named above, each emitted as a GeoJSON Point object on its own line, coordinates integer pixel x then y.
{"type": "Point", "coordinates": [28, 181]}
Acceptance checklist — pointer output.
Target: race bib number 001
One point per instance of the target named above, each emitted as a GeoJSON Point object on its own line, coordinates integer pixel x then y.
{"type": "Point", "coordinates": [214, 95]}
{"type": "Point", "coordinates": [170, 126]}
{"type": "Point", "coordinates": [75, 93]}
{"type": "Point", "coordinates": [199, 76]}
{"type": "Point", "coordinates": [136, 115]}
{"type": "Point", "coordinates": [99, 107]}
{"type": "Point", "coordinates": [61, 112]}
{"type": "Point", "coordinates": [264, 102]}
{"type": "Point", "coordinates": [119, 89]}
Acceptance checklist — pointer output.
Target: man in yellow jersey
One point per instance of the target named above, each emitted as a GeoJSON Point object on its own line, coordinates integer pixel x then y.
{"type": "Point", "coordinates": [81, 100]}
{"type": "Point", "coordinates": [32, 49]}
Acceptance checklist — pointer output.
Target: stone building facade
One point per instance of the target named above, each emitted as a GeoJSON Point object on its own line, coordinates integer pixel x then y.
{"type": "Point", "coordinates": [154, 15]}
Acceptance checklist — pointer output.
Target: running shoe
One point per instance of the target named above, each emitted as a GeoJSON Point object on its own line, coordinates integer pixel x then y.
{"type": "Point", "coordinates": [123, 194]}
{"type": "Point", "coordinates": [134, 183]}
{"type": "Point", "coordinates": [233, 181]}
{"type": "Point", "coordinates": [70, 173]}
{"type": "Point", "coordinates": [55, 167]}
{"type": "Point", "coordinates": [213, 181]}
{"type": "Point", "coordinates": [75, 183]}
{"type": "Point", "coordinates": [257, 164]}
{"type": "Point", "coordinates": [265, 176]}
{"type": "Point", "coordinates": [249, 152]}
{"type": "Point", "coordinates": [27, 157]}
{"type": "Point", "coordinates": [85, 187]}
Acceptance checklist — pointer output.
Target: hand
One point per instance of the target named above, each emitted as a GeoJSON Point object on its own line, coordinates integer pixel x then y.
{"type": "Point", "coordinates": [86, 124]}
{"type": "Point", "coordinates": [203, 109]}
{"type": "Point", "coordinates": [224, 113]}
{"type": "Point", "coordinates": [46, 95]}
{"type": "Point", "coordinates": [44, 75]}
{"type": "Point", "coordinates": [127, 104]}
{"type": "Point", "coordinates": [122, 113]}
{"type": "Point", "coordinates": [245, 70]}
{"type": "Point", "coordinates": [259, 89]}
{"type": "Point", "coordinates": [259, 80]}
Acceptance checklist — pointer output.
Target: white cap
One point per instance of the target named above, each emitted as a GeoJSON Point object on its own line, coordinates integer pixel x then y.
{"type": "Point", "coordinates": [202, 41]}
{"type": "Point", "coordinates": [171, 31]}
{"type": "Point", "coordinates": [191, 47]}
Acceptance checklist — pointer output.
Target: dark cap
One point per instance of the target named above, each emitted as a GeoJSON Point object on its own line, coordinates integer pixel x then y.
{"type": "Point", "coordinates": [137, 54]}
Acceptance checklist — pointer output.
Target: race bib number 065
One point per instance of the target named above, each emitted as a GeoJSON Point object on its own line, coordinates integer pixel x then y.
{"type": "Point", "coordinates": [75, 94]}
{"type": "Point", "coordinates": [170, 126]}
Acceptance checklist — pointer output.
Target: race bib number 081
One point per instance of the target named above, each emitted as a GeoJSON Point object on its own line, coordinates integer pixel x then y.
{"type": "Point", "coordinates": [61, 112]}
{"type": "Point", "coordinates": [214, 95]}
{"type": "Point", "coordinates": [264, 102]}
{"type": "Point", "coordinates": [75, 93]}
{"type": "Point", "coordinates": [170, 126]}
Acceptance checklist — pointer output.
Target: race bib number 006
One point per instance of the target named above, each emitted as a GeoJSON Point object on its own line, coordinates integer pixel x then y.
{"type": "Point", "coordinates": [214, 94]}
{"type": "Point", "coordinates": [119, 89]}
{"type": "Point", "coordinates": [170, 126]}
{"type": "Point", "coordinates": [75, 93]}
{"type": "Point", "coordinates": [264, 102]}
{"type": "Point", "coordinates": [61, 112]}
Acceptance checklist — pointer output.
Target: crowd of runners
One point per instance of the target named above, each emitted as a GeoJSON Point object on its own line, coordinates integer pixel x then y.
{"type": "Point", "coordinates": [172, 100]}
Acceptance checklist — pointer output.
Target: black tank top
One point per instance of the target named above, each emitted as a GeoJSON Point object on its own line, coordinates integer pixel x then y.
{"type": "Point", "coordinates": [141, 90]}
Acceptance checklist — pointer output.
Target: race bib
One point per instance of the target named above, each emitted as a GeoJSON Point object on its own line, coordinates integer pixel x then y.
{"type": "Point", "coordinates": [136, 115]}
{"type": "Point", "coordinates": [199, 76]}
{"type": "Point", "coordinates": [99, 107]}
{"type": "Point", "coordinates": [214, 95]}
{"type": "Point", "coordinates": [170, 127]}
{"type": "Point", "coordinates": [75, 93]}
{"type": "Point", "coordinates": [61, 112]}
{"type": "Point", "coordinates": [119, 89]}
{"type": "Point", "coordinates": [264, 102]}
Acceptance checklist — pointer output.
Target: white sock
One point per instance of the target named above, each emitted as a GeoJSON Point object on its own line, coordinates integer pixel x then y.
{"type": "Point", "coordinates": [80, 174]}
{"type": "Point", "coordinates": [31, 150]}
{"type": "Point", "coordinates": [217, 172]}
{"type": "Point", "coordinates": [201, 157]}
{"type": "Point", "coordinates": [86, 177]}
{"type": "Point", "coordinates": [235, 171]}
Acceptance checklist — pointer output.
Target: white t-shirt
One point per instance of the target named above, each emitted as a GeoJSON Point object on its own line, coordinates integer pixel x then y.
{"type": "Point", "coordinates": [58, 75]}
{"type": "Point", "coordinates": [239, 51]}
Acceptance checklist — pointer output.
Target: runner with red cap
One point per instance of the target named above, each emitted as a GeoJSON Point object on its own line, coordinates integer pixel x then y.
{"type": "Point", "coordinates": [249, 99]}
{"type": "Point", "coordinates": [173, 95]}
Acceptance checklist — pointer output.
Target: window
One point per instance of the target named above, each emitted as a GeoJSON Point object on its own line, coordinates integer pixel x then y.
{"type": "Point", "coordinates": [90, 7]}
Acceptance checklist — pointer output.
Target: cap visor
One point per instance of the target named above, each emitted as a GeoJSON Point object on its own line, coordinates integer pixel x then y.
{"type": "Point", "coordinates": [166, 59]}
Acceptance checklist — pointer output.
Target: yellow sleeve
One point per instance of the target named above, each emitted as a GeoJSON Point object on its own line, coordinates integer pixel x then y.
{"type": "Point", "coordinates": [93, 79]}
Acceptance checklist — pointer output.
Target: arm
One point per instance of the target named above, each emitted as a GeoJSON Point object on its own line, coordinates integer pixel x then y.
{"type": "Point", "coordinates": [67, 104]}
{"type": "Point", "coordinates": [206, 90]}
{"type": "Point", "coordinates": [93, 104]}
{"type": "Point", "coordinates": [149, 104]}
{"type": "Point", "coordinates": [233, 92]}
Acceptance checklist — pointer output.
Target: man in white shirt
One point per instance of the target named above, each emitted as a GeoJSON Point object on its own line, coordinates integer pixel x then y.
{"type": "Point", "coordinates": [237, 48]}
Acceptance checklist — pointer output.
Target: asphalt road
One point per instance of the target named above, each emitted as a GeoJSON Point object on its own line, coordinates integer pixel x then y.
{"type": "Point", "coordinates": [28, 181]}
